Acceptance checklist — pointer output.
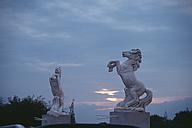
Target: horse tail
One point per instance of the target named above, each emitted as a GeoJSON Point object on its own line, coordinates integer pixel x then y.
{"type": "Point", "coordinates": [146, 100]}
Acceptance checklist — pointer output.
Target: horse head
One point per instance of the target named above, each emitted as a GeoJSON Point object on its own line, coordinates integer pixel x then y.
{"type": "Point", "coordinates": [134, 54]}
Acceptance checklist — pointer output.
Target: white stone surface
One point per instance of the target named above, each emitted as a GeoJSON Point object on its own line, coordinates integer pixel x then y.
{"type": "Point", "coordinates": [58, 100]}
{"type": "Point", "coordinates": [52, 120]}
{"type": "Point", "coordinates": [56, 114]}
{"type": "Point", "coordinates": [134, 89]}
{"type": "Point", "coordinates": [131, 118]}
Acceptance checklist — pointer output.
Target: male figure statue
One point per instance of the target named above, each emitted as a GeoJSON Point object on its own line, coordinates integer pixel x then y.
{"type": "Point", "coordinates": [58, 100]}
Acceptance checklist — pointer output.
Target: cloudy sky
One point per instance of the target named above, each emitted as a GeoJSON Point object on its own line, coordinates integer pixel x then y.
{"type": "Point", "coordinates": [82, 36]}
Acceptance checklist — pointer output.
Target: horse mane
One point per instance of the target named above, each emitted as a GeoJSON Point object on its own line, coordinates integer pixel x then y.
{"type": "Point", "coordinates": [138, 53]}
{"type": "Point", "coordinates": [137, 58]}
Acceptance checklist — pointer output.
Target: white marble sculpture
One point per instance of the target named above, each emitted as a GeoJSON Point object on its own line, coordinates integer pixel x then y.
{"type": "Point", "coordinates": [58, 100]}
{"type": "Point", "coordinates": [134, 89]}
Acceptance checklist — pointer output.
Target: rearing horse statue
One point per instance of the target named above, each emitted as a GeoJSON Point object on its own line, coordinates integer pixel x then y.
{"type": "Point", "coordinates": [134, 89]}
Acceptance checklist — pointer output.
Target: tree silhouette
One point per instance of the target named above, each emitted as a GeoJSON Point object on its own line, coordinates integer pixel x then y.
{"type": "Point", "coordinates": [22, 111]}
{"type": "Point", "coordinates": [158, 122]}
{"type": "Point", "coordinates": [183, 119]}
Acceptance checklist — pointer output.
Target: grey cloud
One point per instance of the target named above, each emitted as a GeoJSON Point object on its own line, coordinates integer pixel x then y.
{"type": "Point", "coordinates": [41, 65]}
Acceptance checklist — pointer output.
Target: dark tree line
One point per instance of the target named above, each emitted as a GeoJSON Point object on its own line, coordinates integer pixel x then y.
{"type": "Point", "coordinates": [22, 111]}
{"type": "Point", "coordinates": [182, 119]}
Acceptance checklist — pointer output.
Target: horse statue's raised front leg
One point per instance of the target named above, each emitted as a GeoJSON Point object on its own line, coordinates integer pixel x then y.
{"type": "Point", "coordinates": [112, 64]}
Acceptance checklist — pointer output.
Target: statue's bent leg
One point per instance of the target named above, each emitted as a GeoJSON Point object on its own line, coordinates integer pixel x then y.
{"type": "Point", "coordinates": [118, 67]}
{"type": "Point", "coordinates": [135, 98]}
{"type": "Point", "coordinates": [111, 65]}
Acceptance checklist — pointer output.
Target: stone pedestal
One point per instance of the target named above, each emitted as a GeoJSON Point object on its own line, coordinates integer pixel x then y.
{"type": "Point", "coordinates": [132, 118]}
{"type": "Point", "coordinates": [52, 120]}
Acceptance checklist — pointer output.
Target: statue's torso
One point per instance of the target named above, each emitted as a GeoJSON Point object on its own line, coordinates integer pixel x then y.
{"type": "Point", "coordinates": [55, 87]}
{"type": "Point", "coordinates": [127, 74]}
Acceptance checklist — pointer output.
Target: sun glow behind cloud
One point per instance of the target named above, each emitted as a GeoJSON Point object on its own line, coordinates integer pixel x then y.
{"type": "Point", "coordinates": [114, 99]}
{"type": "Point", "coordinates": [111, 101]}
{"type": "Point", "coordinates": [156, 100]}
{"type": "Point", "coordinates": [109, 92]}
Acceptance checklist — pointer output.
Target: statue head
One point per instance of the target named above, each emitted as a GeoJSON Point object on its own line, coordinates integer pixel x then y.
{"type": "Point", "coordinates": [58, 70]}
{"type": "Point", "coordinates": [134, 54]}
